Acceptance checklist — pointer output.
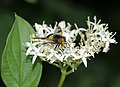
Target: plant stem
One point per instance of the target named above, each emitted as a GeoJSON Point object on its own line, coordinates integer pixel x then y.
{"type": "Point", "coordinates": [62, 78]}
{"type": "Point", "coordinates": [69, 72]}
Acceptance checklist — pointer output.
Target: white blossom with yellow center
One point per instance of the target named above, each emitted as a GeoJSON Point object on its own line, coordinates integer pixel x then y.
{"type": "Point", "coordinates": [94, 39]}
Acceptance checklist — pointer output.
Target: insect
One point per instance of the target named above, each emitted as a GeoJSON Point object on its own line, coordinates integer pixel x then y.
{"type": "Point", "coordinates": [55, 38]}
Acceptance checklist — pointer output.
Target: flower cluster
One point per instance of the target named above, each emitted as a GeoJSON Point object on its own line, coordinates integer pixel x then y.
{"type": "Point", "coordinates": [92, 40]}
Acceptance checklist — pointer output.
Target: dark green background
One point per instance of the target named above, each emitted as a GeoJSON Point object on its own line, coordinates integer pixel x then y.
{"type": "Point", "coordinates": [103, 70]}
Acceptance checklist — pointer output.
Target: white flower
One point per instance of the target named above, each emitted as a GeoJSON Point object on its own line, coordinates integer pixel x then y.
{"type": "Point", "coordinates": [107, 38]}
{"type": "Point", "coordinates": [92, 40]}
{"type": "Point", "coordinates": [54, 56]}
{"type": "Point", "coordinates": [33, 50]}
{"type": "Point", "coordinates": [83, 54]}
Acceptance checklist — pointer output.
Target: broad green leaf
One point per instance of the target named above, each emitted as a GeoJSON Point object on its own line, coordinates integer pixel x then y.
{"type": "Point", "coordinates": [17, 70]}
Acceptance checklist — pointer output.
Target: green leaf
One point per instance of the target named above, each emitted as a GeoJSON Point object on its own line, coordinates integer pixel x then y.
{"type": "Point", "coordinates": [17, 70]}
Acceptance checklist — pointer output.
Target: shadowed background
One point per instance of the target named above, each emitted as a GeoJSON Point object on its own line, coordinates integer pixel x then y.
{"type": "Point", "coordinates": [103, 70]}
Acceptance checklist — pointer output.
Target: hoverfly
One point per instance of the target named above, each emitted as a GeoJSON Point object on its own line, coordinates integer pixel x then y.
{"type": "Point", "coordinates": [55, 38]}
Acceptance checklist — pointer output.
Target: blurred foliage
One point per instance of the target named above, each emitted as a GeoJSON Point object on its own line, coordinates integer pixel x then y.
{"type": "Point", "coordinates": [103, 71]}
{"type": "Point", "coordinates": [31, 1]}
